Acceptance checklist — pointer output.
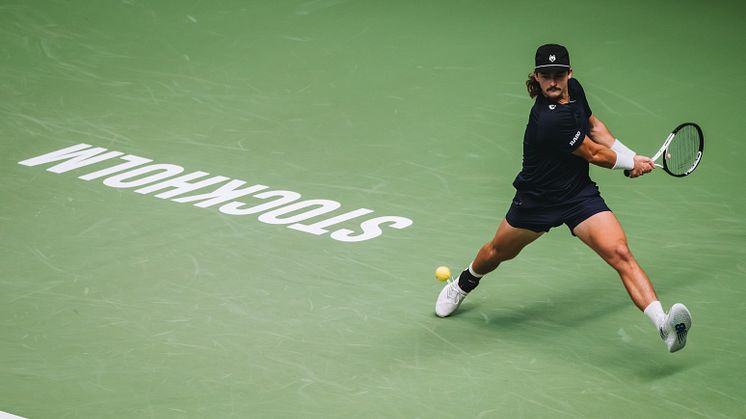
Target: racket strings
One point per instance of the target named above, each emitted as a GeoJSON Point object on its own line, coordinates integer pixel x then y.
{"type": "Point", "coordinates": [682, 153]}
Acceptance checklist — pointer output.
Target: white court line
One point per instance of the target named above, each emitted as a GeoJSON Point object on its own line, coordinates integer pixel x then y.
{"type": "Point", "coordinates": [4, 415]}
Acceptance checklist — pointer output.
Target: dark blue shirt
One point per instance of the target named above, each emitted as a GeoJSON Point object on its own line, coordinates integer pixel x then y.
{"type": "Point", "coordinates": [551, 174]}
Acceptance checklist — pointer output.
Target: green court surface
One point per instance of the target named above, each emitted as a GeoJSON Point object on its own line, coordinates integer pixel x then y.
{"type": "Point", "coordinates": [119, 303]}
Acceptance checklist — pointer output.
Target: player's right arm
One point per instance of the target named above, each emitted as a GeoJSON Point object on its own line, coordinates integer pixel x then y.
{"type": "Point", "coordinates": [603, 156]}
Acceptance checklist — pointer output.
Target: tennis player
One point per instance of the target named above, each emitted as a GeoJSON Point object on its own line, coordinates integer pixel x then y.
{"type": "Point", "coordinates": [553, 188]}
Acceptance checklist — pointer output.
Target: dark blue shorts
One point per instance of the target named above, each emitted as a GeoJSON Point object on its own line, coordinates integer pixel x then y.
{"type": "Point", "coordinates": [543, 217]}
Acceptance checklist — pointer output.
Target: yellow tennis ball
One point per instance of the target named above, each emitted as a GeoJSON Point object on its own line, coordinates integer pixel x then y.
{"type": "Point", "coordinates": [443, 273]}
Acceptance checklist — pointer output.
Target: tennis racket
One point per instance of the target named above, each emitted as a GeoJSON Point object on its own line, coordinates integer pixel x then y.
{"type": "Point", "coordinates": [682, 150]}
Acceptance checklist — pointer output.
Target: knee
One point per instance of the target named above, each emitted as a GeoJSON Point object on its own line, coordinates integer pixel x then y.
{"type": "Point", "coordinates": [499, 253]}
{"type": "Point", "coordinates": [620, 256]}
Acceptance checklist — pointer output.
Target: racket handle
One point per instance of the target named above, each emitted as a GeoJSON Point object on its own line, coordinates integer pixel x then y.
{"type": "Point", "coordinates": [626, 172]}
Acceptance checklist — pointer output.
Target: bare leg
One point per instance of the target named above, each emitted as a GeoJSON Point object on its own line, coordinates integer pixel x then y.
{"type": "Point", "coordinates": [603, 233]}
{"type": "Point", "coordinates": [506, 244]}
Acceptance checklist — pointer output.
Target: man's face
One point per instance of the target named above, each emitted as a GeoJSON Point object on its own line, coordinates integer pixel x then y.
{"type": "Point", "coordinates": [554, 85]}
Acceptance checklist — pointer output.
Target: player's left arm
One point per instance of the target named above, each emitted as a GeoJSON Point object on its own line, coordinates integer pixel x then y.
{"type": "Point", "coordinates": [597, 130]}
{"type": "Point", "coordinates": [599, 133]}
{"type": "Point", "coordinates": [602, 144]}
{"type": "Point", "coordinates": [609, 158]}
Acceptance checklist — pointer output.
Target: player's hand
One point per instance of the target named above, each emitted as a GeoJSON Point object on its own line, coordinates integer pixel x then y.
{"type": "Point", "coordinates": [643, 165]}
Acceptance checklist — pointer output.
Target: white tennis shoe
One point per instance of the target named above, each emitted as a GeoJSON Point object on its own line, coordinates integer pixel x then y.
{"type": "Point", "coordinates": [675, 327]}
{"type": "Point", "coordinates": [449, 299]}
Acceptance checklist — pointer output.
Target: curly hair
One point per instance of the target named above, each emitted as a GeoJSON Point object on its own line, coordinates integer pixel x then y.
{"type": "Point", "coordinates": [532, 86]}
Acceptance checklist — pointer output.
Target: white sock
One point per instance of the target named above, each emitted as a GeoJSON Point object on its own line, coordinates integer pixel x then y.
{"type": "Point", "coordinates": [655, 313]}
{"type": "Point", "coordinates": [471, 271]}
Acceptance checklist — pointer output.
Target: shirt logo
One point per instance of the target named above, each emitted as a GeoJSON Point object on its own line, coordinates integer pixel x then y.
{"type": "Point", "coordinates": [575, 138]}
{"type": "Point", "coordinates": [552, 107]}
{"type": "Point", "coordinates": [552, 58]}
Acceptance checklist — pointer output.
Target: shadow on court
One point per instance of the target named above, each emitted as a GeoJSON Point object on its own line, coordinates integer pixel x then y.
{"type": "Point", "coordinates": [553, 312]}
{"type": "Point", "coordinates": [580, 326]}
{"type": "Point", "coordinates": [651, 371]}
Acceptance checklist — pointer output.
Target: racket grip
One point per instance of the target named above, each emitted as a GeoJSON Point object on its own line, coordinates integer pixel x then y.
{"type": "Point", "coordinates": [626, 172]}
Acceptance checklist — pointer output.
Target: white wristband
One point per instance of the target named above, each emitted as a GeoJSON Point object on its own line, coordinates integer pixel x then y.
{"type": "Point", "coordinates": [625, 158]}
{"type": "Point", "coordinates": [621, 148]}
{"type": "Point", "coordinates": [624, 161]}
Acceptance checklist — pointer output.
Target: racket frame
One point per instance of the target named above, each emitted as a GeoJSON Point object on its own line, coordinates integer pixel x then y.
{"type": "Point", "coordinates": [667, 143]}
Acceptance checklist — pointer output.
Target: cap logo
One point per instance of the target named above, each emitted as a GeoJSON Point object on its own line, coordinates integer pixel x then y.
{"type": "Point", "coordinates": [552, 58]}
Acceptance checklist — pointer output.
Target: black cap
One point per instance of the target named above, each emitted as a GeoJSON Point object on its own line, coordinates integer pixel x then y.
{"type": "Point", "coordinates": [552, 58]}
